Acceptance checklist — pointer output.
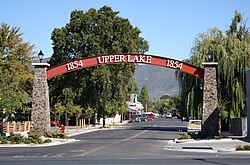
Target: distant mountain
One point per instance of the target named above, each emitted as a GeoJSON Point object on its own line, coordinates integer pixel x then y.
{"type": "Point", "coordinates": [159, 80]}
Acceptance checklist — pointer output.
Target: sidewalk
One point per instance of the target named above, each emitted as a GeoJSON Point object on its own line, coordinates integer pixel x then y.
{"type": "Point", "coordinates": [72, 130]}
{"type": "Point", "coordinates": [209, 146]}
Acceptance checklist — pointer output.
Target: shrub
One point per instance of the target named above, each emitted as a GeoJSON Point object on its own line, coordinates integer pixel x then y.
{"type": "Point", "coordinates": [35, 134]}
{"type": "Point", "coordinates": [4, 141]}
{"type": "Point", "coordinates": [1, 138]}
{"type": "Point", "coordinates": [33, 137]}
{"type": "Point", "coordinates": [47, 141]}
{"type": "Point", "coordinates": [243, 148]}
{"type": "Point", "coordinates": [27, 141]}
{"type": "Point", "coordinates": [55, 134]}
{"type": "Point", "coordinates": [247, 147]}
{"type": "Point", "coordinates": [49, 134]}
{"type": "Point", "coordinates": [15, 138]}
{"type": "Point", "coordinates": [184, 135]}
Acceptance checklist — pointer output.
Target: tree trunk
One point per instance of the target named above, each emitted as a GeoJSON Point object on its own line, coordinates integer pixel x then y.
{"type": "Point", "coordinates": [77, 124]}
{"type": "Point", "coordinates": [89, 122]}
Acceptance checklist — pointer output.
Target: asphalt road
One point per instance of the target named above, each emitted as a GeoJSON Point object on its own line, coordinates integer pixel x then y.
{"type": "Point", "coordinates": [135, 143]}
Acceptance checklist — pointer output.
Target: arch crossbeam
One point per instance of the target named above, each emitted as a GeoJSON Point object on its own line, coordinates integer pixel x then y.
{"type": "Point", "coordinates": [124, 58]}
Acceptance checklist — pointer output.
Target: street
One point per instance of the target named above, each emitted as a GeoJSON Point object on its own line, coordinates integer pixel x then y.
{"type": "Point", "coordinates": [133, 143]}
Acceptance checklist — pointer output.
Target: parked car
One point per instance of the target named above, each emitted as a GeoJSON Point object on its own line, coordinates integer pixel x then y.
{"type": "Point", "coordinates": [144, 117]}
{"type": "Point", "coordinates": [169, 115]}
{"type": "Point", "coordinates": [150, 117]}
{"type": "Point", "coordinates": [135, 118]}
{"type": "Point", "coordinates": [194, 126]}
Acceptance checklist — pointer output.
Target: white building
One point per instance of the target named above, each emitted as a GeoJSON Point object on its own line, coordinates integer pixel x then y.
{"type": "Point", "coordinates": [134, 105]}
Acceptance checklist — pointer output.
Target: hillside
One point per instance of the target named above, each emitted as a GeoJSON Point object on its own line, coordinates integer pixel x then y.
{"type": "Point", "coordinates": [159, 80]}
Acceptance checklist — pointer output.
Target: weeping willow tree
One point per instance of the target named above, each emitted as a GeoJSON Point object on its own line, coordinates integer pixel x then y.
{"type": "Point", "coordinates": [232, 52]}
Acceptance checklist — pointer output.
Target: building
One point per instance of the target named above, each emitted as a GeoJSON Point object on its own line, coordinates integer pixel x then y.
{"type": "Point", "coordinates": [135, 107]}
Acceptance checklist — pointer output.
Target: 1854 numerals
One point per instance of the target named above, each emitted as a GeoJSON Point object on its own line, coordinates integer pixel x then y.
{"type": "Point", "coordinates": [74, 65]}
{"type": "Point", "coordinates": [174, 64]}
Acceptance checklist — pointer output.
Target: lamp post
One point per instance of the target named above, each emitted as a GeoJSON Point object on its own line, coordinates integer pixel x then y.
{"type": "Point", "coordinates": [40, 56]}
{"type": "Point", "coordinates": [209, 55]}
{"type": "Point", "coordinates": [201, 84]}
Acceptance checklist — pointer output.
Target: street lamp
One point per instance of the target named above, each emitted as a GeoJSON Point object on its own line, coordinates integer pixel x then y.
{"type": "Point", "coordinates": [40, 56]}
{"type": "Point", "coordinates": [201, 84]}
{"type": "Point", "coordinates": [209, 55]}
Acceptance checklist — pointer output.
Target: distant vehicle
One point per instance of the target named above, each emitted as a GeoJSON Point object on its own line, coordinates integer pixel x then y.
{"type": "Point", "coordinates": [169, 115]}
{"type": "Point", "coordinates": [194, 127]}
{"type": "Point", "coordinates": [144, 117]}
{"type": "Point", "coordinates": [150, 117]}
{"type": "Point", "coordinates": [135, 118]}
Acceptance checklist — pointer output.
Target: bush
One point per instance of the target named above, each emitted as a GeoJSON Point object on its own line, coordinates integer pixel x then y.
{"type": "Point", "coordinates": [35, 134]}
{"type": "Point", "coordinates": [247, 147]}
{"type": "Point", "coordinates": [55, 134]}
{"type": "Point", "coordinates": [243, 148]}
{"type": "Point", "coordinates": [15, 138]}
{"type": "Point", "coordinates": [47, 141]}
{"type": "Point", "coordinates": [62, 136]}
{"type": "Point", "coordinates": [33, 137]}
{"type": "Point", "coordinates": [4, 141]}
{"type": "Point", "coordinates": [184, 135]}
{"type": "Point", "coordinates": [1, 138]}
{"type": "Point", "coordinates": [27, 141]}
{"type": "Point", "coordinates": [49, 134]}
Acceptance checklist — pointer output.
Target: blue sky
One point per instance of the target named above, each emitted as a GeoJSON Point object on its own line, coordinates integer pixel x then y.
{"type": "Point", "coordinates": [170, 26]}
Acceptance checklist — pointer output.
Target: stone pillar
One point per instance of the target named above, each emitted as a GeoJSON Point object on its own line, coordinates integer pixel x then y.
{"type": "Point", "coordinates": [210, 117]}
{"type": "Point", "coordinates": [40, 114]}
{"type": "Point", "coordinates": [248, 102]}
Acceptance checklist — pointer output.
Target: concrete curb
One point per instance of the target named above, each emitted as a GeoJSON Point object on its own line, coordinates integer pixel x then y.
{"type": "Point", "coordinates": [202, 141]}
{"type": "Point", "coordinates": [53, 143]}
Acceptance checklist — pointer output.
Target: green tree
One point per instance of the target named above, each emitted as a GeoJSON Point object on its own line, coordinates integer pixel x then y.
{"type": "Point", "coordinates": [16, 76]}
{"type": "Point", "coordinates": [89, 112]}
{"type": "Point", "coordinates": [164, 106]}
{"type": "Point", "coordinates": [91, 33]}
{"type": "Point", "coordinates": [67, 101]}
{"type": "Point", "coordinates": [231, 51]}
{"type": "Point", "coordinates": [145, 100]}
{"type": "Point", "coordinates": [78, 113]}
{"type": "Point", "coordinates": [59, 111]}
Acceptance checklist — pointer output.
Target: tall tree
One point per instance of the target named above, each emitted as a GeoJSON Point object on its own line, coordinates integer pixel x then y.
{"type": "Point", "coordinates": [166, 104]}
{"type": "Point", "coordinates": [15, 76]}
{"type": "Point", "coordinates": [231, 51]}
{"type": "Point", "coordinates": [89, 113]}
{"type": "Point", "coordinates": [145, 99]}
{"type": "Point", "coordinates": [91, 33]}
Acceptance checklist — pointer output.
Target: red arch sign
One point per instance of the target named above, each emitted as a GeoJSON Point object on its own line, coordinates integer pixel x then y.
{"type": "Point", "coordinates": [124, 58]}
